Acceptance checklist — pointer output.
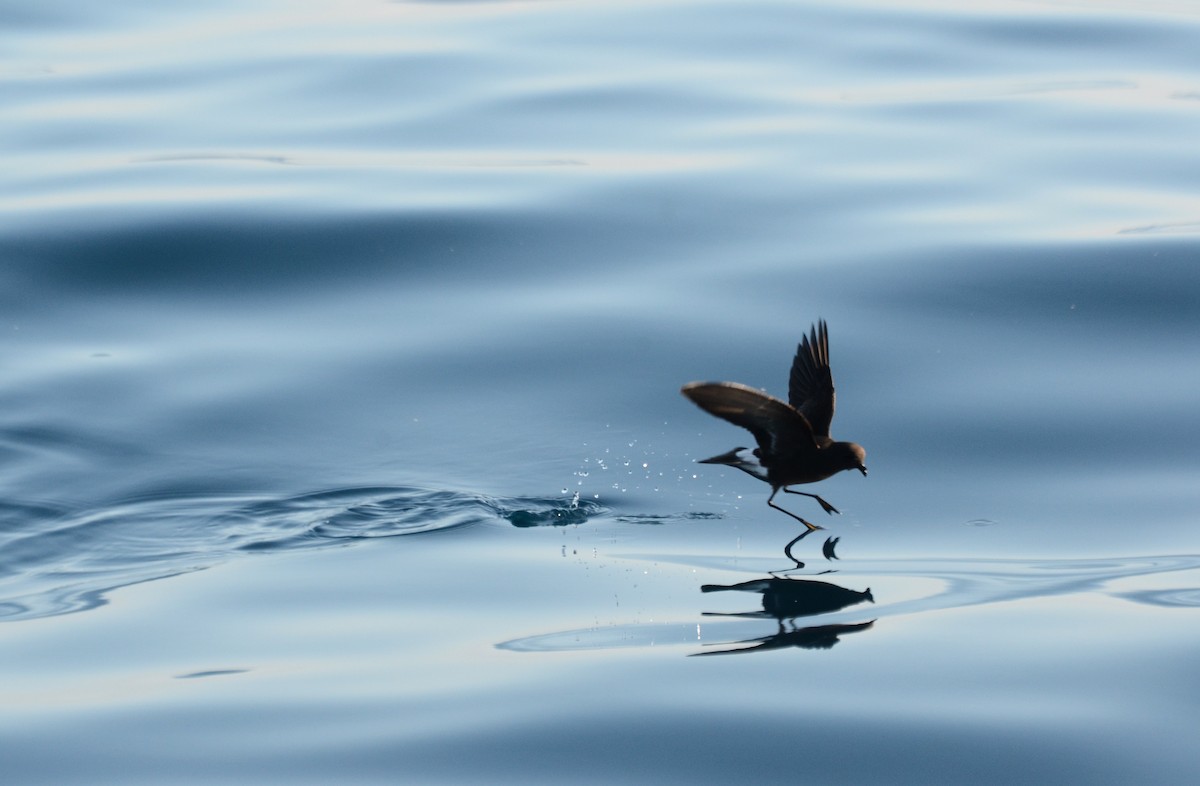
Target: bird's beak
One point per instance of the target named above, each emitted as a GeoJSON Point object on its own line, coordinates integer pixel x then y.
{"type": "Point", "coordinates": [863, 470]}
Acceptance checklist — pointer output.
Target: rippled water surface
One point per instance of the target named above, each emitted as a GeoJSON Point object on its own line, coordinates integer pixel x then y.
{"type": "Point", "coordinates": [340, 434]}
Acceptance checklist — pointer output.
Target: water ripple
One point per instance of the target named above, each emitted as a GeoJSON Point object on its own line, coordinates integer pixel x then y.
{"type": "Point", "coordinates": [963, 583]}
{"type": "Point", "coordinates": [57, 561]}
{"type": "Point", "coordinates": [1170, 598]}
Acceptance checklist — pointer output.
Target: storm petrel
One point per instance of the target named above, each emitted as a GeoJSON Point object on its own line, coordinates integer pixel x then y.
{"type": "Point", "coordinates": [793, 439]}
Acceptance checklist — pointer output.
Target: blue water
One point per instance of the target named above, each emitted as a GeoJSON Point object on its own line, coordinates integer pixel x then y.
{"type": "Point", "coordinates": [340, 434]}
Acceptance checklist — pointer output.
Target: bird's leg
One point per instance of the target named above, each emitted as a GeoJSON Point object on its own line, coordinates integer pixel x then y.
{"type": "Point", "coordinates": [828, 508]}
{"type": "Point", "coordinates": [770, 501]}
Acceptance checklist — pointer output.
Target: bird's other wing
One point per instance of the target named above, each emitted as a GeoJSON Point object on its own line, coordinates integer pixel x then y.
{"type": "Point", "coordinates": [778, 428]}
{"type": "Point", "coordinates": [810, 387]}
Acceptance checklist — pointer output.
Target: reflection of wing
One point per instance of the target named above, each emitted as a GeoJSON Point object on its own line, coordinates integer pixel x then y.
{"type": "Point", "coordinates": [778, 428]}
{"type": "Point", "coordinates": [821, 637]}
{"type": "Point", "coordinates": [810, 387]}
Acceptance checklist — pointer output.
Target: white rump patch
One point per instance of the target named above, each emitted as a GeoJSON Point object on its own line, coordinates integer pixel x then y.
{"type": "Point", "coordinates": [749, 463]}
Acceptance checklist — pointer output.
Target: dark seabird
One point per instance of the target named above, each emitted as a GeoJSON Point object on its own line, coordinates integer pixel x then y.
{"type": "Point", "coordinates": [793, 439]}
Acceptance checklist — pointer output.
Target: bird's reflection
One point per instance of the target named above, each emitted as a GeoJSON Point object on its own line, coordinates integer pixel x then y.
{"type": "Point", "coordinates": [817, 637]}
{"type": "Point", "coordinates": [828, 549]}
{"type": "Point", "coordinates": [785, 600]}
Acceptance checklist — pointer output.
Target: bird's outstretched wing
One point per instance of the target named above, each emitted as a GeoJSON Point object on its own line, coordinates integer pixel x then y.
{"type": "Point", "coordinates": [810, 387]}
{"type": "Point", "coordinates": [778, 428]}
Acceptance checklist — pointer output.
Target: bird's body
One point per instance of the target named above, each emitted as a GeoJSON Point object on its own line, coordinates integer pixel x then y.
{"type": "Point", "coordinates": [794, 446]}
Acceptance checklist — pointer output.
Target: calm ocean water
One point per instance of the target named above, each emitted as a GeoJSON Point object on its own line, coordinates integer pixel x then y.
{"type": "Point", "coordinates": [340, 434]}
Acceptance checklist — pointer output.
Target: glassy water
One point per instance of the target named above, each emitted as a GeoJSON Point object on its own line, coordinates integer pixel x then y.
{"type": "Point", "coordinates": [340, 435]}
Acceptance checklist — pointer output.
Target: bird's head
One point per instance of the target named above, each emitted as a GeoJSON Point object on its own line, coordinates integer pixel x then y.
{"type": "Point", "coordinates": [850, 455]}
